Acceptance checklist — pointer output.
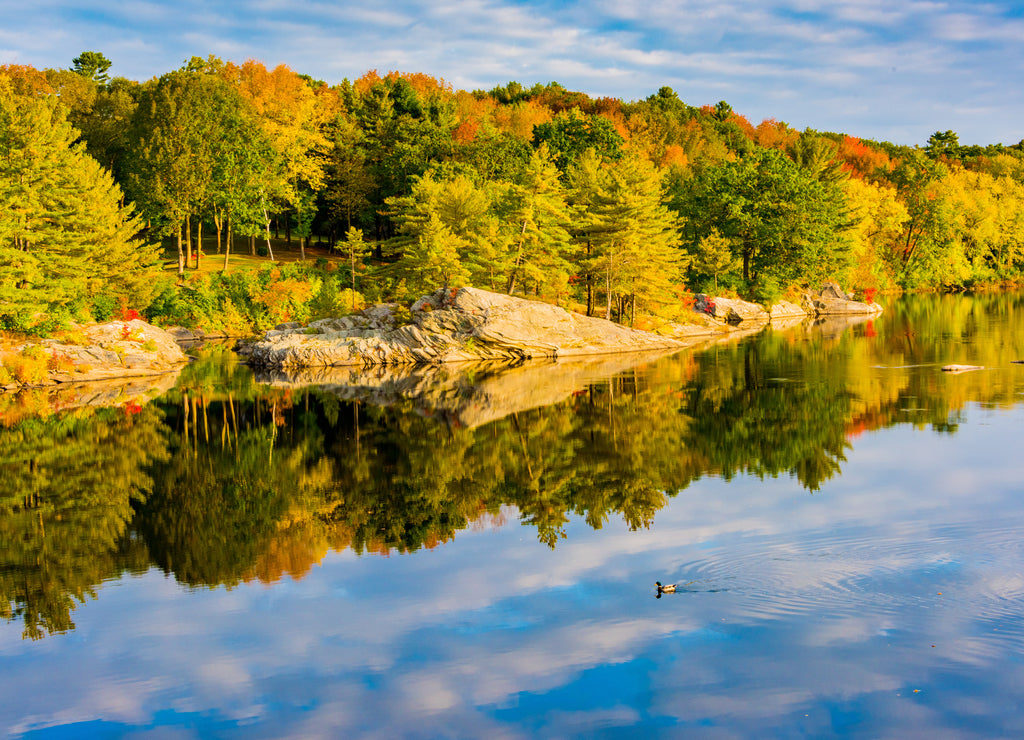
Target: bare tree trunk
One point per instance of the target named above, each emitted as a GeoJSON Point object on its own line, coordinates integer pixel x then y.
{"type": "Point", "coordinates": [181, 254]}
{"type": "Point", "coordinates": [218, 224]}
{"type": "Point", "coordinates": [188, 241]}
{"type": "Point", "coordinates": [590, 287]}
{"type": "Point", "coordinates": [227, 247]}
{"type": "Point", "coordinates": [608, 291]}
{"type": "Point", "coordinates": [519, 256]}
{"type": "Point", "coordinates": [266, 226]}
{"type": "Point", "coordinates": [199, 241]}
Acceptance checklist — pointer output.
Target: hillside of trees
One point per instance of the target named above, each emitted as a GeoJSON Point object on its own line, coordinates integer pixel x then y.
{"type": "Point", "coordinates": [616, 208]}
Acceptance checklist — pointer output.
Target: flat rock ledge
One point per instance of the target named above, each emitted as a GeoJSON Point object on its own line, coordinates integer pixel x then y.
{"type": "Point", "coordinates": [117, 349]}
{"type": "Point", "coordinates": [463, 325]}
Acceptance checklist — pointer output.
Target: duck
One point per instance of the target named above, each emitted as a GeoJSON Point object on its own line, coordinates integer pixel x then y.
{"type": "Point", "coordinates": [669, 589]}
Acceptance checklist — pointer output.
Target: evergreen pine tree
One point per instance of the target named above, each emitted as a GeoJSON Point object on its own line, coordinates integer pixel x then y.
{"type": "Point", "coordinates": [65, 240]}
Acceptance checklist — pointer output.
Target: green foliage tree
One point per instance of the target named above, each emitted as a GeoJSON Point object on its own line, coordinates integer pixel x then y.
{"type": "Point", "coordinates": [817, 156]}
{"type": "Point", "coordinates": [713, 255]}
{"type": "Point", "coordinates": [636, 238]}
{"type": "Point", "coordinates": [197, 150]}
{"type": "Point", "coordinates": [943, 145]}
{"type": "Point", "coordinates": [467, 210]}
{"type": "Point", "coordinates": [571, 133]}
{"type": "Point", "coordinates": [92, 65]}
{"type": "Point", "coordinates": [535, 208]}
{"type": "Point", "coordinates": [432, 260]}
{"type": "Point", "coordinates": [917, 256]}
{"type": "Point", "coordinates": [349, 182]}
{"type": "Point", "coordinates": [355, 248]}
{"type": "Point", "coordinates": [785, 225]}
{"type": "Point", "coordinates": [65, 239]}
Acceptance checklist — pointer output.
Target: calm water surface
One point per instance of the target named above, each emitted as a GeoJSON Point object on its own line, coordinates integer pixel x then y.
{"type": "Point", "coordinates": [473, 553]}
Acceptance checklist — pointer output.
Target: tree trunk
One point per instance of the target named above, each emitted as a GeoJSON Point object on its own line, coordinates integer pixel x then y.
{"type": "Point", "coordinates": [188, 241]}
{"type": "Point", "coordinates": [218, 224]}
{"type": "Point", "coordinates": [199, 241]}
{"type": "Point", "coordinates": [519, 256]}
{"type": "Point", "coordinates": [270, 249]}
{"type": "Point", "coordinates": [227, 247]}
{"type": "Point", "coordinates": [608, 291]}
{"type": "Point", "coordinates": [181, 254]}
{"type": "Point", "coordinates": [590, 286]}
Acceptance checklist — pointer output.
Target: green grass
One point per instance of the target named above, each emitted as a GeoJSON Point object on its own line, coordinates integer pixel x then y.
{"type": "Point", "coordinates": [240, 258]}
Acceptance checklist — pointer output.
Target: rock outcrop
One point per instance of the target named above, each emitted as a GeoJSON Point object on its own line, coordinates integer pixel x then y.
{"type": "Point", "coordinates": [787, 310]}
{"type": "Point", "coordinates": [730, 310]}
{"type": "Point", "coordinates": [831, 300]}
{"type": "Point", "coordinates": [449, 326]}
{"type": "Point", "coordinates": [117, 349]}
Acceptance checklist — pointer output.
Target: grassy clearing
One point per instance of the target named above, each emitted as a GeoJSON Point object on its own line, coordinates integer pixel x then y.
{"type": "Point", "coordinates": [241, 259]}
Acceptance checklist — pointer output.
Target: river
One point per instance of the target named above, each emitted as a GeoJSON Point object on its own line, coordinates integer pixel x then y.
{"type": "Point", "coordinates": [472, 552]}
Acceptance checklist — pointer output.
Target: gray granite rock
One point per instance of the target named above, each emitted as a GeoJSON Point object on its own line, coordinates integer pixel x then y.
{"type": "Point", "coordinates": [461, 325]}
{"type": "Point", "coordinates": [116, 349]}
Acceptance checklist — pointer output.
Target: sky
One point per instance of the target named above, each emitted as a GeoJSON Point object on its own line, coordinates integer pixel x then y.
{"type": "Point", "coordinates": [889, 70]}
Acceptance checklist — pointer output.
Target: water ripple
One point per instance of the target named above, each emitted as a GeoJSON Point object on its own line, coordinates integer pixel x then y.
{"type": "Point", "coordinates": [971, 571]}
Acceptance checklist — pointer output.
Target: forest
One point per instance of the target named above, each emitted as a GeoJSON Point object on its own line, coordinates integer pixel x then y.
{"type": "Point", "coordinates": [112, 191]}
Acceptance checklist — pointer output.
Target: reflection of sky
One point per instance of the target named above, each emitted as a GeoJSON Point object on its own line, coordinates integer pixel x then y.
{"type": "Point", "coordinates": [803, 615]}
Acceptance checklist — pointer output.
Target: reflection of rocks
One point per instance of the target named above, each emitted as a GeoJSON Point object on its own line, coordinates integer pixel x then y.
{"type": "Point", "coordinates": [834, 325]}
{"type": "Point", "coordinates": [464, 394]}
{"type": "Point", "coordinates": [784, 323]}
{"type": "Point", "coordinates": [117, 349]}
{"type": "Point", "coordinates": [128, 392]}
{"type": "Point", "coordinates": [450, 326]}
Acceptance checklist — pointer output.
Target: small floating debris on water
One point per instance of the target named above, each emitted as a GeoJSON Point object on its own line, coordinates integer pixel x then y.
{"type": "Point", "coordinates": [897, 367]}
{"type": "Point", "coordinates": [960, 368]}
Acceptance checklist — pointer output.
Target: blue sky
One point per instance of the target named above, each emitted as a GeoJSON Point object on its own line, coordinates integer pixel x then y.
{"type": "Point", "coordinates": [880, 69]}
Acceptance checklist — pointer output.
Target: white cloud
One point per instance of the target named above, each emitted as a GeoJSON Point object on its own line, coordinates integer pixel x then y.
{"type": "Point", "coordinates": [918, 62]}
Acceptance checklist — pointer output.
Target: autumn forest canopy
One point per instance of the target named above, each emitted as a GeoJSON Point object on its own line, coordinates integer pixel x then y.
{"type": "Point", "coordinates": [617, 208]}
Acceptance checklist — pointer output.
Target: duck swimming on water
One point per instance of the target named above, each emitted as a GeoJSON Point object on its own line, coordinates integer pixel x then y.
{"type": "Point", "coordinates": [669, 589]}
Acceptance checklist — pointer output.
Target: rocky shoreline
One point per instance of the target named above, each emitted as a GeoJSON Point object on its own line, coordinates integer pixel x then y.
{"type": "Point", "coordinates": [473, 325]}
{"type": "Point", "coordinates": [111, 351]}
{"type": "Point", "coordinates": [448, 326]}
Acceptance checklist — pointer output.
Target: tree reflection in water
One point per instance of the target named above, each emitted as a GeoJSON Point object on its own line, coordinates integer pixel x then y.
{"type": "Point", "coordinates": [224, 480]}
